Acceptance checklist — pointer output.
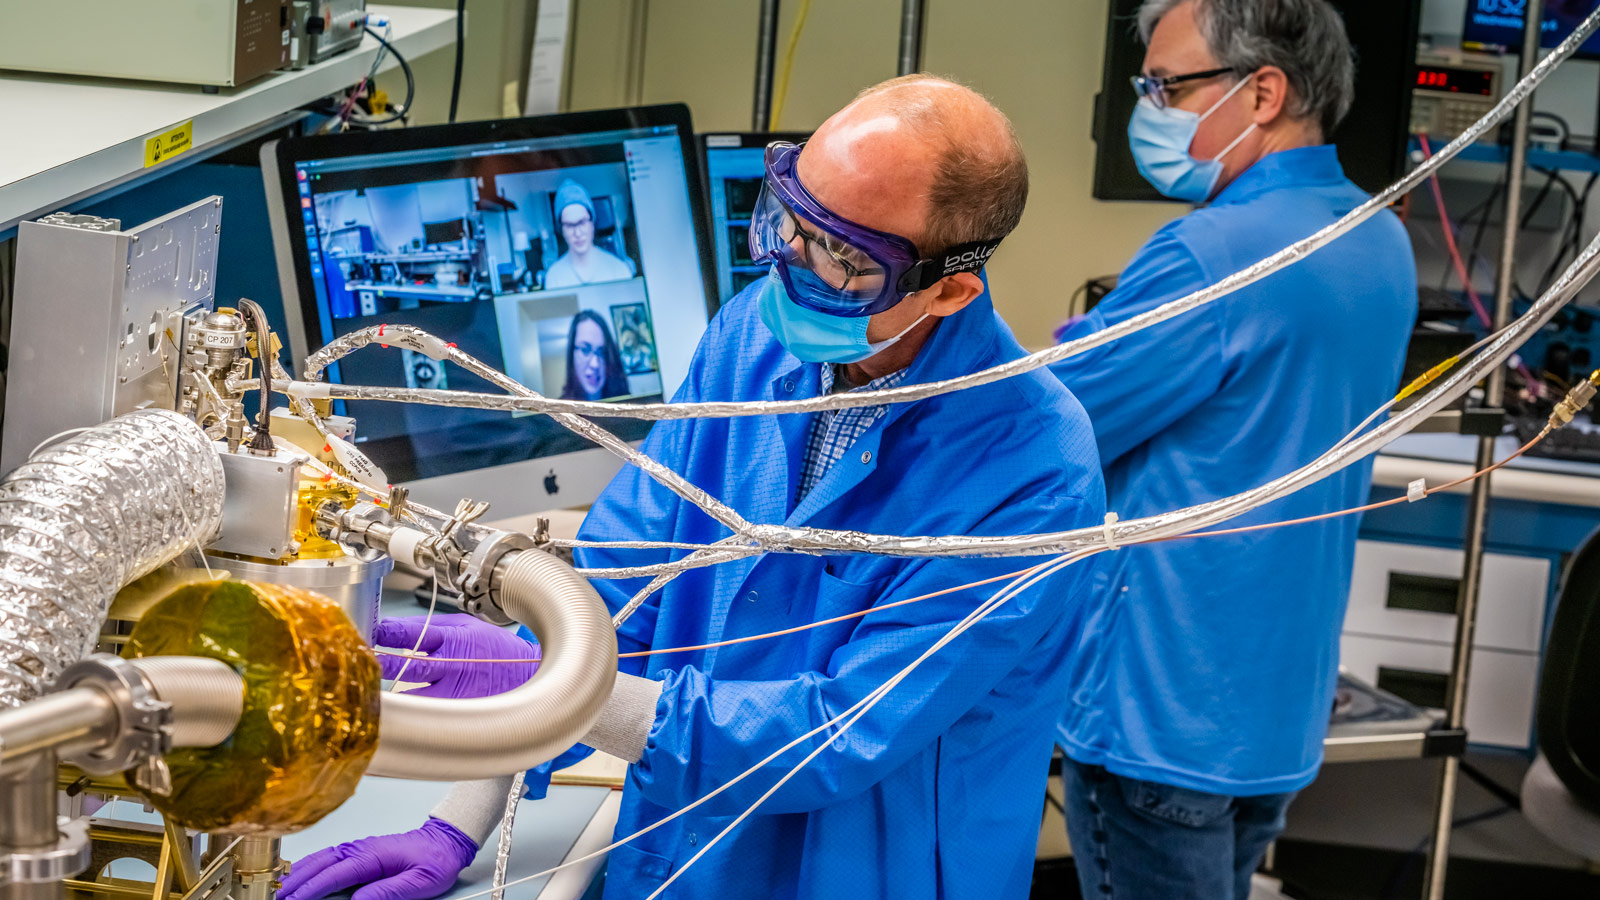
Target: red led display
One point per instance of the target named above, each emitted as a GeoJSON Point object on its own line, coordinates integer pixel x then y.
{"type": "Point", "coordinates": [1455, 81]}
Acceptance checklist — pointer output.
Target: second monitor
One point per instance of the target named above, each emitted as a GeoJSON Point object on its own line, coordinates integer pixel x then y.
{"type": "Point", "coordinates": [734, 166]}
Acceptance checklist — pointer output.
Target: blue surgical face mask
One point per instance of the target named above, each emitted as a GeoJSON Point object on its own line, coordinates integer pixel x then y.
{"type": "Point", "coordinates": [1160, 138]}
{"type": "Point", "coordinates": [814, 336]}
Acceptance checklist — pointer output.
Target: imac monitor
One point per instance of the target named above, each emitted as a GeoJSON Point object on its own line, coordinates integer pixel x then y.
{"type": "Point", "coordinates": [567, 251]}
{"type": "Point", "coordinates": [734, 166]}
{"type": "Point", "coordinates": [1497, 25]}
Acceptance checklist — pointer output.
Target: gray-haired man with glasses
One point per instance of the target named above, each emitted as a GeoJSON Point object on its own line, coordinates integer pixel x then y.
{"type": "Point", "coordinates": [1200, 693]}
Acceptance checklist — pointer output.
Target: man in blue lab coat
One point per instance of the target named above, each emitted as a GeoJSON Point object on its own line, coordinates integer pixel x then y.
{"type": "Point", "coordinates": [877, 231]}
{"type": "Point", "coordinates": [1201, 693]}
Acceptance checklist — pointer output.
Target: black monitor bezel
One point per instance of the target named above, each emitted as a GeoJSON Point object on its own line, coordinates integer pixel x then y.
{"type": "Point", "coordinates": [280, 172]}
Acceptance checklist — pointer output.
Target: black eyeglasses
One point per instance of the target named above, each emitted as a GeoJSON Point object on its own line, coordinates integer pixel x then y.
{"type": "Point", "coordinates": [1156, 88]}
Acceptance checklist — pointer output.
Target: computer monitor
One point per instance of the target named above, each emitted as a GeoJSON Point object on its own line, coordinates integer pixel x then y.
{"type": "Point", "coordinates": [568, 251]}
{"type": "Point", "coordinates": [734, 166]}
{"type": "Point", "coordinates": [1496, 25]}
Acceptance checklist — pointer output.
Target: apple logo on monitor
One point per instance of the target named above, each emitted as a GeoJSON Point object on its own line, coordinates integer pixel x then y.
{"type": "Point", "coordinates": [550, 486]}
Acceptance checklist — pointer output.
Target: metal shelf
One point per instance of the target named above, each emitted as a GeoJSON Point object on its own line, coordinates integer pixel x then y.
{"type": "Point", "coordinates": [104, 149]}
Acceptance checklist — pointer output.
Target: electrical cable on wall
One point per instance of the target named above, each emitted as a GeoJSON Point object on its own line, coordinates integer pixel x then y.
{"type": "Point", "coordinates": [402, 111]}
{"type": "Point", "coordinates": [461, 38]}
{"type": "Point", "coordinates": [781, 95]}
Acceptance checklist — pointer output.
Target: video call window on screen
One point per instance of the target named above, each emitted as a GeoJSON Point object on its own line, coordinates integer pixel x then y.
{"type": "Point", "coordinates": [571, 260]}
{"type": "Point", "coordinates": [551, 251]}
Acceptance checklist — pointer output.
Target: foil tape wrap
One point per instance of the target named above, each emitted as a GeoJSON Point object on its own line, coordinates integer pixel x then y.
{"type": "Point", "coordinates": [415, 338]}
{"type": "Point", "coordinates": [908, 393]}
{"type": "Point", "coordinates": [83, 517]}
{"type": "Point", "coordinates": [309, 725]}
{"type": "Point", "coordinates": [784, 538]}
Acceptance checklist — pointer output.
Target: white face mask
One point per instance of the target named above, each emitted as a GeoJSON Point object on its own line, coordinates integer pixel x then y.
{"type": "Point", "coordinates": [1160, 140]}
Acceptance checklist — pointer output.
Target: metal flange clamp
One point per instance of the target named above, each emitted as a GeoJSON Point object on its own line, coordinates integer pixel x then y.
{"type": "Point", "coordinates": [144, 729]}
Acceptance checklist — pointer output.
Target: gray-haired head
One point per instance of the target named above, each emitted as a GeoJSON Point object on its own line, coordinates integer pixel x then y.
{"type": "Point", "coordinates": [1304, 38]}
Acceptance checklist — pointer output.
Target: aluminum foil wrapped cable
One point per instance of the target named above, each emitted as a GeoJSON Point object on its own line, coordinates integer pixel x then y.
{"type": "Point", "coordinates": [664, 574]}
{"type": "Point", "coordinates": [83, 517]}
{"type": "Point", "coordinates": [827, 542]}
{"type": "Point", "coordinates": [1574, 279]}
{"type": "Point", "coordinates": [508, 821]}
{"type": "Point", "coordinates": [818, 541]}
{"type": "Point", "coordinates": [711, 555]}
{"type": "Point", "coordinates": [909, 393]}
{"type": "Point", "coordinates": [413, 338]}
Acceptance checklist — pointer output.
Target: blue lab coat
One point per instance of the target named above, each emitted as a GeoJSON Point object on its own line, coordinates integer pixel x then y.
{"type": "Point", "coordinates": [1210, 663]}
{"type": "Point", "coordinates": [936, 791]}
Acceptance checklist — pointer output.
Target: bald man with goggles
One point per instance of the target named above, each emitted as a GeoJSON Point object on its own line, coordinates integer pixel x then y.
{"type": "Point", "coordinates": [934, 792]}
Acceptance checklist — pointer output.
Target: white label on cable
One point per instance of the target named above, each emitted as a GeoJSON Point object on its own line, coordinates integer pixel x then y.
{"type": "Point", "coordinates": [309, 390]}
{"type": "Point", "coordinates": [1416, 490]}
{"type": "Point", "coordinates": [426, 344]}
{"type": "Point", "coordinates": [357, 464]}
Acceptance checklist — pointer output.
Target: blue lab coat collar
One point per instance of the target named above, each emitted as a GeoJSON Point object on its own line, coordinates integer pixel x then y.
{"type": "Point", "coordinates": [1299, 167]}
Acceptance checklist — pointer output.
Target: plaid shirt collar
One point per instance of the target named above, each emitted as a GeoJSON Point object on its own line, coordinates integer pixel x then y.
{"type": "Point", "coordinates": [833, 432]}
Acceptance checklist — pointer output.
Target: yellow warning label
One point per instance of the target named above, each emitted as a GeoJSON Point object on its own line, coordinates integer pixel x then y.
{"type": "Point", "coordinates": [168, 144]}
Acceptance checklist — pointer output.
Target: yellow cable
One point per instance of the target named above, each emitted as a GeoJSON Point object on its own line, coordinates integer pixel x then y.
{"type": "Point", "coordinates": [782, 92]}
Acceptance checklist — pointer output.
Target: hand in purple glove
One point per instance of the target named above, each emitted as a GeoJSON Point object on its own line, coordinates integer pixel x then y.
{"type": "Point", "coordinates": [415, 865]}
{"type": "Point", "coordinates": [456, 637]}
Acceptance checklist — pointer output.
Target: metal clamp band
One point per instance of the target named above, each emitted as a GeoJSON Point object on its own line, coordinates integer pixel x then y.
{"type": "Point", "coordinates": [143, 720]}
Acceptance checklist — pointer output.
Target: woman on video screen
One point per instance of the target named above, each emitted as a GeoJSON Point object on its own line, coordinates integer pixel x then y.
{"type": "Point", "coordinates": [583, 263]}
{"type": "Point", "coordinates": [594, 367]}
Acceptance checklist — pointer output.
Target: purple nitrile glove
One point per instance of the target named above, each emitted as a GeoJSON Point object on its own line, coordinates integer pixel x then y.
{"type": "Point", "coordinates": [415, 865]}
{"type": "Point", "coordinates": [456, 637]}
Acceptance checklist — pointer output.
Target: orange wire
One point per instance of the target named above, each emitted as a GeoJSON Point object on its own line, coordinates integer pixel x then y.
{"type": "Point", "coordinates": [1359, 509]}
{"type": "Point", "coordinates": [1024, 572]}
{"type": "Point", "coordinates": [771, 634]}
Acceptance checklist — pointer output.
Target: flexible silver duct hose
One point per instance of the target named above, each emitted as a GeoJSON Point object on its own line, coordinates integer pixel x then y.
{"type": "Point", "coordinates": [431, 739]}
{"type": "Point", "coordinates": [83, 517]}
{"type": "Point", "coordinates": [207, 697]}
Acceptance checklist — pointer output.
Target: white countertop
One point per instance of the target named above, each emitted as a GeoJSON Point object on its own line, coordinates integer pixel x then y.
{"type": "Point", "coordinates": [72, 137]}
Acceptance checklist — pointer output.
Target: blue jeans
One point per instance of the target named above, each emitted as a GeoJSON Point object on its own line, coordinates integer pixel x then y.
{"type": "Point", "coordinates": [1138, 840]}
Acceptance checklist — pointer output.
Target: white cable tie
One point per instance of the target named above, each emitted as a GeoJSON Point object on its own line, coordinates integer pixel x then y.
{"type": "Point", "coordinates": [1416, 490]}
{"type": "Point", "coordinates": [1110, 530]}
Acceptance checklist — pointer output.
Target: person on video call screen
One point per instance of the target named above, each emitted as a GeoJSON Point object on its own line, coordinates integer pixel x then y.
{"type": "Point", "coordinates": [594, 367]}
{"type": "Point", "coordinates": [583, 263]}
